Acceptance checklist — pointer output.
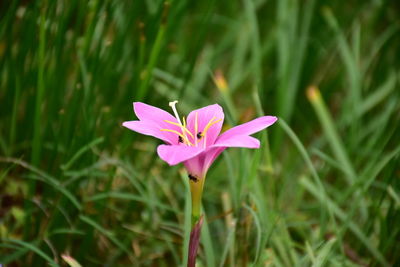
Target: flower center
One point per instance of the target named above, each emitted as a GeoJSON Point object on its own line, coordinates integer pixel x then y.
{"type": "Point", "coordinates": [183, 136]}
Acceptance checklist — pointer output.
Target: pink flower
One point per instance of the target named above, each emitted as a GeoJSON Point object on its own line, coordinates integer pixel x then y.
{"type": "Point", "coordinates": [195, 142]}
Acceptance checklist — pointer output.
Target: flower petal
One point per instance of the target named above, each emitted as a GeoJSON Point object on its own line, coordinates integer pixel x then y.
{"type": "Point", "coordinates": [204, 116]}
{"type": "Point", "coordinates": [200, 164]}
{"type": "Point", "coordinates": [150, 113]}
{"type": "Point", "coordinates": [152, 129]}
{"type": "Point", "coordinates": [152, 121]}
{"type": "Point", "coordinates": [238, 141]}
{"type": "Point", "coordinates": [211, 155]}
{"type": "Point", "coordinates": [247, 128]}
{"type": "Point", "coordinates": [174, 154]}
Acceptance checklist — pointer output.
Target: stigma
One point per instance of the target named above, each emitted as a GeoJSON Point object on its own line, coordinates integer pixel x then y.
{"type": "Point", "coordinates": [184, 134]}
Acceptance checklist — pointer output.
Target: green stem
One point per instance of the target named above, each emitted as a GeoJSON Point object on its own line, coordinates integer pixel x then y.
{"type": "Point", "coordinates": [196, 190]}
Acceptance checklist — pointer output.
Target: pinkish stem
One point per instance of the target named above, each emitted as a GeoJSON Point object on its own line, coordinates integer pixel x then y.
{"type": "Point", "coordinates": [194, 242]}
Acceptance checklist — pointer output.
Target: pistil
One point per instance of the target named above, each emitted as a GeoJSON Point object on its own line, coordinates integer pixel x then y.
{"type": "Point", "coordinates": [183, 128]}
{"type": "Point", "coordinates": [197, 136]}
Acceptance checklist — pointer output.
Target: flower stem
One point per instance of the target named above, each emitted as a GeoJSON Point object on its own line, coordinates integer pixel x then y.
{"type": "Point", "coordinates": [196, 190]}
{"type": "Point", "coordinates": [194, 243]}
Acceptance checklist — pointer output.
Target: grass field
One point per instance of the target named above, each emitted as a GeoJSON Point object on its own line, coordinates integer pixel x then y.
{"type": "Point", "coordinates": [323, 189]}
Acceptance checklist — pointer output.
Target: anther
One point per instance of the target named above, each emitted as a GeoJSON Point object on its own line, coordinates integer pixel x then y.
{"type": "Point", "coordinates": [180, 139]}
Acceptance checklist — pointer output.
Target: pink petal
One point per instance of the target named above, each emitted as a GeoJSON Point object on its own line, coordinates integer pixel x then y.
{"type": "Point", "coordinates": [204, 115]}
{"type": "Point", "coordinates": [238, 141]}
{"type": "Point", "coordinates": [211, 155]}
{"type": "Point", "coordinates": [174, 154]}
{"type": "Point", "coordinates": [244, 129]}
{"type": "Point", "coordinates": [152, 129]}
{"type": "Point", "coordinates": [152, 120]}
{"type": "Point", "coordinates": [199, 165]}
{"type": "Point", "coordinates": [150, 113]}
{"type": "Point", "coordinates": [195, 166]}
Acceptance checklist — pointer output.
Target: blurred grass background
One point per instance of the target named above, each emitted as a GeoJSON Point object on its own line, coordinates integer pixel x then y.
{"type": "Point", "coordinates": [323, 190]}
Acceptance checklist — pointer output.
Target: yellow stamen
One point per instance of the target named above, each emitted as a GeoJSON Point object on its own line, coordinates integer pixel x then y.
{"type": "Point", "coordinates": [172, 131]}
{"type": "Point", "coordinates": [173, 123]}
{"type": "Point", "coordinates": [186, 129]}
{"type": "Point", "coordinates": [178, 133]}
{"type": "Point", "coordinates": [182, 127]}
{"type": "Point", "coordinates": [209, 124]}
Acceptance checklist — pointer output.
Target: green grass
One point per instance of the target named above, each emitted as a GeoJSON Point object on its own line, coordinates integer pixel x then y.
{"type": "Point", "coordinates": [323, 190]}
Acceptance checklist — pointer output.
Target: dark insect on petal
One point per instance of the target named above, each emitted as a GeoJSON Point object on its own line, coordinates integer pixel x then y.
{"type": "Point", "coordinates": [198, 135]}
{"type": "Point", "coordinates": [180, 139]}
{"type": "Point", "coordinates": [193, 178]}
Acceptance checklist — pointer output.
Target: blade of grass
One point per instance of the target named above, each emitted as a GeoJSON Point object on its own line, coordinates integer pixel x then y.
{"type": "Point", "coordinates": [324, 254]}
{"type": "Point", "coordinates": [129, 196]}
{"type": "Point", "coordinates": [154, 55]}
{"type": "Point", "coordinates": [206, 240]}
{"type": "Point", "coordinates": [258, 234]}
{"type": "Point", "coordinates": [42, 176]}
{"type": "Point", "coordinates": [38, 114]}
{"type": "Point", "coordinates": [104, 232]}
{"type": "Point", "coordinates": [330, 131]}
{"type": "Point", "coordinates": [312, 169]}
{"type": "Point", "coordinates": [228, 247]}
{"type": "Point", "coordinates": [13, 130]}
{"type": "Point", "coordinates": [34, 248]}
{"type": "Point", "coordinates": [80, 152]}
{"type": "Point", "coordinates": [342, 216]}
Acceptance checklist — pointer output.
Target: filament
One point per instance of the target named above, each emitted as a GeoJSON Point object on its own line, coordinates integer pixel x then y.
{"type": "Point", "coordinates": [178, 133]}
{"type": "Point", "coordinates": [172, 105]}
{"type": "Point", "coordinates": [209, 124]}
{"type": "Point", "coordinates": [183, 127]}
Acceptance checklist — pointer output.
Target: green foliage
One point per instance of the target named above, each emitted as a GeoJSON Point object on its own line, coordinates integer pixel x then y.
{"type": "Point", "coordinates": [77, 189]}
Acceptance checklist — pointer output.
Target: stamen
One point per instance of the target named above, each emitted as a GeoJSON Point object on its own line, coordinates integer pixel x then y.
{"type": "Point", "coordinates": [177, 124]}
{"type": "Point", "coordinates": [179, 134]}
{"type": "Point", "coordinates": [210, 123]}
{"type": "Point", "coordinates": [208, 126]}
{"type": "Point", "coordinates": [173, 123]}
{"type": "Point", "coordinates": [173, 131]}
{"type": "Point", "coordinates": [186, 129]}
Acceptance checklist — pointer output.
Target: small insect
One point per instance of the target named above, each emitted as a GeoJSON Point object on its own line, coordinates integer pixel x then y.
{"type": "Point", "coordinates": [180, 139]}
{"type": "Point", "coordinates": [198, 135]}
{"type": "Point", "coordinates": [193, 178]}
